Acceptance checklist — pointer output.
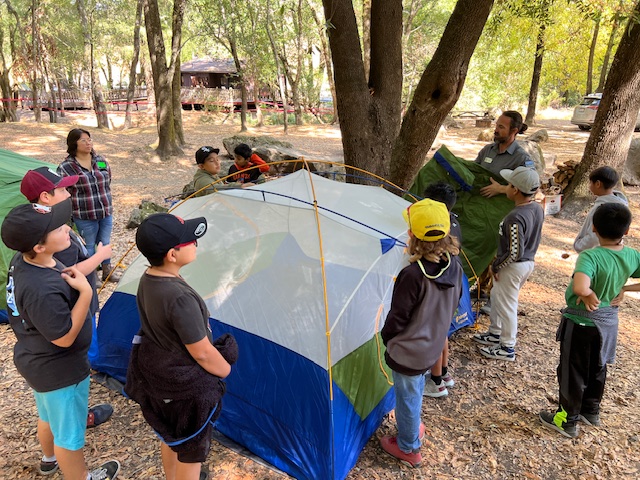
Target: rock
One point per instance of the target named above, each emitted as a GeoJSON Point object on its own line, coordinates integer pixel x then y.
{"type": "Point", "coordinates": [450, 122]}
{"type": "Point", "coordinates": [486, 135]}
{"type": "Point", "coordinates": [230, 143]}
{"type": "Point", "coordinates": [145, 209]}
{"type": "Point", "coordinates": [535, 152]}
{"type": "Point", "coordinates": [271, 150]}
{"type": "Point", "coordinates": [631, 170]}
{"type": "Point", "coordinates": [540, 136]}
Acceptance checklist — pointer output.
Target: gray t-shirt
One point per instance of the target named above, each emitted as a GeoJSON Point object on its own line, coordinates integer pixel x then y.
{"type": "Point", "coordinates": [513, 157]}
{"type": "Point", "coordinates": [587, 238]}
{"type": "Point", "coordinates": [520, 234]}
{"type": "Point", "coordinates": [172, 314]}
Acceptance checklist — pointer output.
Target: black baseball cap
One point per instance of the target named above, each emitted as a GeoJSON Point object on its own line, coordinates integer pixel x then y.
{"type": "Point", "coordinates": [25, 225]}
{"type": "Point", "coordinates": [204, 152]}
{"type": "Point", "coordinates": [159, 233]}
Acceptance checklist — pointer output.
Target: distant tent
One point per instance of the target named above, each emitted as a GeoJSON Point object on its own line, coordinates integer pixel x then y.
{"type": "Point", "coordinates": [479, 216]}
{"type": "Point", "coordinates": [12, 168]}
{"type": "Point", "coordinates": [301, 271]}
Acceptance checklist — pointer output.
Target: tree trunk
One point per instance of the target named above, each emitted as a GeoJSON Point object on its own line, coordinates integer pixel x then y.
{"type": "Point", "coordinates": [615, 119]}
{"type": "Point", "coordinates": [131, 89]}
{"type": "Point", "coordinates": [177, 105]}
{"type": "Point", "coordinates": [592, 51]}
{"type": "Point", "coordinates": [179, 7]}
{"type": "Point", "coordinates": [256, 96]}
{"type": "Point", "coordinates": [281, 83]}
{"type": "Point", "coordinates": [326, 55]}
{"type": "Point", "coordinates": [438, 89]}
{"type": "Point", "coordinates": [607, 54]}
{"type": "Point", "coordinates": [35, 52]}
{"type": "Point", "coordinates": [535, 78]}
{"type": "Point", "coordinates": [162, 81]}
{"type": "Point", "coordinates": [366, 36]}
{"type": "Point", "coordinates": [243, 85]}
{"type": "Point", "coordinates": [60, 97]}
{"type": "Point", "coordinates": [96, 91]}
{"type": "Point", "coordinates": [369, 112]}
{"type": "Point", "coordinates": [8, 111]}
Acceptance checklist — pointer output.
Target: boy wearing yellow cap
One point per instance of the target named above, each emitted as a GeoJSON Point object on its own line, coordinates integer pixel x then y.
{"type": "Point", "coordinates": [425, 297]}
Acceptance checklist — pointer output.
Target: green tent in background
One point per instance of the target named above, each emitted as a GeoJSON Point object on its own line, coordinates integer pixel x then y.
{"type": "Point", "coordinates": [12, 168]}
{"type": "Point", "coordinates": [479, 217]}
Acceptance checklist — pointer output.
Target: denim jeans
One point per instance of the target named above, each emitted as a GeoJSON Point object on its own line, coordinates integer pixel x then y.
{"type": "Point", "coordinates": [95, 231]}
{"type": "Point", "coordinates": [408, 390]}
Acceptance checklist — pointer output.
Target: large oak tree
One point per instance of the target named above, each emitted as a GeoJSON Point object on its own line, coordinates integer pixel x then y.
{"type": "Point", "coordinates": [374, 136]}
{"type": "Point", "coordinates": [166, 77]}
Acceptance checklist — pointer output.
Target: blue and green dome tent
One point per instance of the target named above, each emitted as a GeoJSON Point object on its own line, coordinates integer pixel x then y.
{"type": "Point", "coordinates": [301, 271]}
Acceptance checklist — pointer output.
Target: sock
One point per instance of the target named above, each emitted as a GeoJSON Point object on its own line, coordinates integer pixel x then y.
{"type": "Point", "coordinates": [444, 371]}
{"type": "Point", "coordinates": [49, 459]}
{"type": "Point", "coordinates": [437, 379]}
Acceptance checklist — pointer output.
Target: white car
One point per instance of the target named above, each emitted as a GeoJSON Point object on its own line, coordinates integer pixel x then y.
{"type": "Point", "coordinates": [585, 113]}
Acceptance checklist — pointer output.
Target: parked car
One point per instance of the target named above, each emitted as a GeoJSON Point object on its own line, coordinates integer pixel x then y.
{"type": "Point", "coordinates": [585, 113]}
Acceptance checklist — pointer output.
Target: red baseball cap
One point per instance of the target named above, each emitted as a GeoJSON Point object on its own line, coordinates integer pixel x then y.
{"type": "Point", "coordinates": [43, 180]}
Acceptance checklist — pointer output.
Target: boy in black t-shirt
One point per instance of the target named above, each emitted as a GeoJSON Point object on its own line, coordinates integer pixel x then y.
{"type": "Point", "coordinates": [175, 372]}
{"type": "Point", "coordinates": [44, 187]}
{"type": "Point", "coordinates": [49, 305]}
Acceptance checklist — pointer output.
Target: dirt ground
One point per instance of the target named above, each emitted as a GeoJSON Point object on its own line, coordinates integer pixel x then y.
{"type": "Point", "coordinates": [486, 428]}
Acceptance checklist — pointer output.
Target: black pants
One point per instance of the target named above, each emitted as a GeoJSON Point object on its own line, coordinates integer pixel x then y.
{"type": "Point", "coordinates": [581, 376]}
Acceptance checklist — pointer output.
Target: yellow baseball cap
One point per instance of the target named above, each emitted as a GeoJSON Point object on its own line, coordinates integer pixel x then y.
{"type": "Point", "coordinates": [428, 220]}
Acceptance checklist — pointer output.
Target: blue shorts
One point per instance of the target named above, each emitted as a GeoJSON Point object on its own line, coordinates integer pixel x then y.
{"type": "Point", "coordinates": [65, 410]}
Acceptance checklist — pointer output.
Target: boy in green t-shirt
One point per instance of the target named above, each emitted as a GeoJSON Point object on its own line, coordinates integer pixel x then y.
{"type": "Point", "coordinates": [589, 326]}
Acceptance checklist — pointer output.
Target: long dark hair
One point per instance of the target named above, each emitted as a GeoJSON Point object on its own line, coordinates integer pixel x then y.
{"type": "Point", "coordinates": [72, 140]}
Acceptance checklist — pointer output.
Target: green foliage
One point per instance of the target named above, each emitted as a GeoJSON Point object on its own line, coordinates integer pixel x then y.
{"type": "Point", "coordinates": [499, 73]}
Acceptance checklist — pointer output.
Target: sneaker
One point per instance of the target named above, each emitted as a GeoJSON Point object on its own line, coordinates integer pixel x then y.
{"type": "Point", "coordinates": [390, 445]}
{"type": "Point", "coordinates": [448, 380]}
{"type": "Point", "coordinates": [499, 352]}
{"type": "Point", "coordinates": [553, 421]}
{"type": "Point", "coordinates": [473, 293]}
{"type": "Point", "coordinates": [433, 390]}
{"type": "Point", "coordinates": [203, 475]}
{"type": "Point", "coordinates": [107, 471]}
{"type": "Point", "coordinates": [487, 338]}
{"type": "Point", "coordinates": [48, 468]}
{"type": "Point", "coordinates": [98, 414]}
{"type": "Point", "coordinates": [591, 419]}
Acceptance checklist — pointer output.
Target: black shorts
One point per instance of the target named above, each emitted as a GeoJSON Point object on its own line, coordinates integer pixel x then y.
{"type": "Point", "coordinates": [182, 419]}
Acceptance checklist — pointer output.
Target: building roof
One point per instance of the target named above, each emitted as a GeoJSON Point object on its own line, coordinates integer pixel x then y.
{"type": "Point", "coordinates": [208, 65]}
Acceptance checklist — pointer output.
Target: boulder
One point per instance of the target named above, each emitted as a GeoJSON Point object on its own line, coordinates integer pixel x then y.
{"type": "Point", "coordinates": [631, 170]}
{"type": "Point", "coordinates": [271, 150]}
{"type": "Point", "coordinates": [145, 209]}
{"type": "Point", "coordinates": [450, 122]}
{"type": "Point", "coordinates": [230, 143]}
{"type": "Point", "coordinates": [540, 136]}
{"type": "Point", "coordinates": [486, 135]}
{"type": "Point", "coordinates": [535, 152]}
